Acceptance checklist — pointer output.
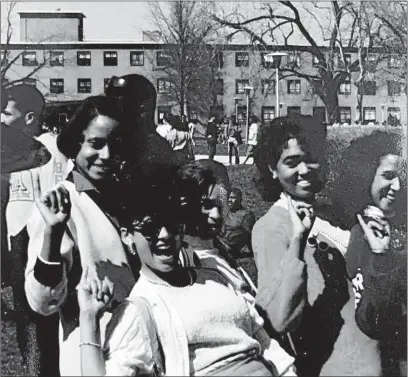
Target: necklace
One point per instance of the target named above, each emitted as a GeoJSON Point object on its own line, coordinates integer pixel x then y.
{"type": "Point", "coordinates": [156, 282]}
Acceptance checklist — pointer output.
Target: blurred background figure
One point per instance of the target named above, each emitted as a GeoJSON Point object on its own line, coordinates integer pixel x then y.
{"type": "Point", "coordinates": [238, 224]}
{"type": "Point", "coordinates": [211, 136]}
{"type": "Point", "coordinates": [252, 138]}
{"type": "Point", "coordinates": [234, 141]}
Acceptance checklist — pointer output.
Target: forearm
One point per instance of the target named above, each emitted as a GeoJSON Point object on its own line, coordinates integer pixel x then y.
{"type": "Point", "coordinates": [51, 247]}
{"type": "Point", "coordinates": [92, 361]}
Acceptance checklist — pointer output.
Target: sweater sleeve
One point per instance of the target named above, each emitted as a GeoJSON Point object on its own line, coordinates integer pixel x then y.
{"type": "Point", "coordinates": [131, 345]}
{"type": "Point", "coordinates": [46, 283]}
{"type": "Point", "coordinates": [279, 287]}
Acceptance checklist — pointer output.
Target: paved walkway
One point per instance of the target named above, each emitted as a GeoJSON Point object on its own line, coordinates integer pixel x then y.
{"type": "Point", "coordinates": [224, 159]}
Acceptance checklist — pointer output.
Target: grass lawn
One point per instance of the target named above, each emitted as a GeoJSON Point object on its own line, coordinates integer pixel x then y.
{"type": "Point", "coordinates": [241, 176]}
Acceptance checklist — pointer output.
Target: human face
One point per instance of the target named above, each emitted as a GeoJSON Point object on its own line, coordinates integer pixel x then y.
{"type": "Point", "coordinates": [158, 246]}
{"type": "Point", "coordinates": [211, 220]}
{"type": "Point", "coordinates": [233, 201]}
{"type": "Point", "coordinates": [386, 184]}
{"type": "Point", "coordinates": [13, 117]}
{"type": "Point", "coordinates": [300, 174]}
{"type": "Point", "coordinates": [96, 156]}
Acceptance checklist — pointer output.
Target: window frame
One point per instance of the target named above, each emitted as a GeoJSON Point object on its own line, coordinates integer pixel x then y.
{"type": "Point", "coordinates": [219, 87]}
{"type": "Point", "coordinates": [295, 81]}
{"type": "Point", "coordinates": [269, 84]}
{"type": "Point", "coordinates": [344, 92]}
{"type": "Point", "coordinates": [53, 62]}
{"type": "Point", "coordinates": [136, 52]}
{"type": "Point", "coordinates": [55, 80]}
{"type": "Point", "coordinates": [107, 59]}
{"type": "Point", "coordinates": [241, 62]}
{"type": "Point", "coordinates": [84, 62]}
{"type": "Point", "coordinates": [294, 59]}
{"type": "Point", "coordinates": [264, 110]}
{"type": "Point", "coordinates": [25, 60]}
{"type": "Point", "coordinates": [366, 109]}
{"type": "Point", "coordinates": [167, 84]}
{"type": "Point", "coordinates": [243, 82]}
{"type": "Point", "coordinates": [84, 79]}
{"type": "Point", "coordinates": [343, 109]}
{"type": "Point", "coordinates": [165, 57]}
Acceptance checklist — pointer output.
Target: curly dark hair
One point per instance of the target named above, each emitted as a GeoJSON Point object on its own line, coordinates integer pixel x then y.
{"type": "Point", "coordinates": [354, 174]}
{"type": "Point", "coordinates": [273, 139]}
{"type": "Point", "coordinates": [71, 136]}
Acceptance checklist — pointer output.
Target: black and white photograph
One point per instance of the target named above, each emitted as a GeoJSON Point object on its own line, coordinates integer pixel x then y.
{"type": "Point", "coordinates": [204, 188]}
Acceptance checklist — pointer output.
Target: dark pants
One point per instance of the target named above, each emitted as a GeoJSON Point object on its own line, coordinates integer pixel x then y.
{"type": "Point", "coordinates": [37, 335]}
{"type": "Point", "coordinates": [233, 148]}
{"type": "Point", "coordinates": [212, 150]}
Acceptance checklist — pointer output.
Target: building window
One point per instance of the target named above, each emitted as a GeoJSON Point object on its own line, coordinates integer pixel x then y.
{"type": "Point", "coordinates": [345, 88]}
{"type": "Point", "coordinates": [57, 86]}
{"type": "Point", "coordinates": [163, 59]}
{"type": "Point", "coordinates": [394, 116]}
{"type": "Point", "coordinates": [265, 63]}
{"type": "Point", "coordinates": [219, 60]}
{"type": "Point", "coordinates": [293, 111]}
{"type": "Point", "coordinates": [110, 58]}
{"type": "Point", "coordinates": [268, 87]}
{"type": "Point", "coordinates": [368, 88]}
{"type": "Point", "coordinates": [4, 60]}
{"type": "Point", "coordinates": [163, 86]}
{"type": "Point", "coordinates": [30, 59]}
{"type": "Point", "coordinates": [84, 58]}
{"type": "Point", "coordinates": [345, 115]}
{"type": "Point", "coordinates": [369, 115]}
{"type": "Point", "coordinates": [219, 87]}
{"type": "Point", "coordinates": [242, 59]}
{"type": "Point", "coordinates": [394, 61]}
{"type": "Point", "coordinates": [319, 112]}
{"type": "Point", "coordinates": [371, 62]}
{"type": "Point", "coordinates": [162, 111]}
{"type": "Point", "coordinates": [395, 88]}
{"type": "Point", "coordinates": [84, 86]}
{"type": "Point", "coordinates": [268, 114]}
{"type": "Point", "coordinates": [193, 115]}
{"type": "Point", "coordinates": [242, 112]}
{"type": "Point", "coordinates": [346, 62]}
{"type": "Point", "coordinates": [30, 81]}
{"type": "Point", "coordinates": [293, 86]}
{"type": "Point", "coordinates": [239, 86]}
{"type": "Point", "coordinates": [316, 86]}
{"type": "Point", "coordinates": [106, 83]}
{"type": "Point", "coordinates": [315, 61]}
{"type": "Point", "coordinates": [136, 58]}
{"type": "Point", "coordinates": [294, 60]}
{"type": "Point", "coordinates": [56, 58]}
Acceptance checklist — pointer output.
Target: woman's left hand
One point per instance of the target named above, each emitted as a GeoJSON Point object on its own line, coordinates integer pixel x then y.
{"type": "Point", "coordinates": [94, 295]}
{"type": "Point", "coordinates": [378, 234]}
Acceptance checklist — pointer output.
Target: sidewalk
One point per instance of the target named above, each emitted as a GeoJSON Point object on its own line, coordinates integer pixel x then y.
{"type": "Point", "coordinates": [224, 159]}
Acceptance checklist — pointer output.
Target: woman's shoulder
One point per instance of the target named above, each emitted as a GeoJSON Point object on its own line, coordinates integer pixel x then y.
{"type": "Point", "coordinates": [277, 216]}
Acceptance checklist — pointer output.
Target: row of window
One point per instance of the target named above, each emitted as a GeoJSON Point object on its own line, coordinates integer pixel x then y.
{"type": "Point", "coordinates": [110, 58]}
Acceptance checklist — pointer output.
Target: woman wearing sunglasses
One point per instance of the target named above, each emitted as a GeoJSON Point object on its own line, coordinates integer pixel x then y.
{"type": "Point", "coordinates": [176, 321]}
{"type": "Point", "coordinates": [302, 279]}
{"type": "Point", "coordinates": [376, 256]}
{"type": "Point", "coordinates": [75, 224]}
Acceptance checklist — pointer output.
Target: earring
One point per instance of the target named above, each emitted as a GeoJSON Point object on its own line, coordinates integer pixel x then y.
{"type": "Point", "coordinates": [133, 249]}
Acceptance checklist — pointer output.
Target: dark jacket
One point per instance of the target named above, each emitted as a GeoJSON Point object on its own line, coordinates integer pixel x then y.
{"type": "Point", "coordinates": [211, 131]}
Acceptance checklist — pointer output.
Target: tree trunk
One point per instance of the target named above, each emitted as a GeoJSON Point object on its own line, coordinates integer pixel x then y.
{"type": "Point", "coordinates": [331, 101]}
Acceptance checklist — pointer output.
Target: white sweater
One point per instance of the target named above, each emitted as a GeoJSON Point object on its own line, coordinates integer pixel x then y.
{"type": "Point", "coordinates": [90, 239]}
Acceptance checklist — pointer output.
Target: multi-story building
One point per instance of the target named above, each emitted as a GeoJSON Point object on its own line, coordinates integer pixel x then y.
{"type": "Point", "coordinates": [67, 67]}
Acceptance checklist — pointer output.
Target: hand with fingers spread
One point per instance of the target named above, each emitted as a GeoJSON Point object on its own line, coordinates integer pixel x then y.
{"type": "Point", "coordinates": [54, 205]}
{"type": "Point", "coordinates": [302, 217]}
{"type": "Point", "coordinates": [377, 234]}
{"type": "Point", "coordinates": [94, 295]}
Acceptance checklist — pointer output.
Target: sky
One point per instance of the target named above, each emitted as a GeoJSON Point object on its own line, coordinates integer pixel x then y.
{"type": "Point", "coordinates": [122, 20]}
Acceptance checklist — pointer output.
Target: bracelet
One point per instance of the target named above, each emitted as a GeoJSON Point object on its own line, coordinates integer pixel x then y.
{"type": "Point", "coordinates": [97, 345]}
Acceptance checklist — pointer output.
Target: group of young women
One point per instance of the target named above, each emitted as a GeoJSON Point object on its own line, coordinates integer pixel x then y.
{"type": "Point", "coordinates": [104, 252]}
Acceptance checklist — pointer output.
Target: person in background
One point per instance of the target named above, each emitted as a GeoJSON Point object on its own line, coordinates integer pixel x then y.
{"type": "Point", "coordinates": [371, 183]}
{"type": "Point", "coordinates": [191, 128]}
{"type": "Point", "coordinates": [234, 141]}
{"type": "Point", "coordinates": [224, 127]}
{"type": "Point", "coordinates": [36, 335]}
{"type": "Point", "coordinates": [139, 339]}
{"type": "Point", "coordinates": [303, 285]}
{"type": "Point", "coordinates": [238, 224]}
{"type": "Point", "coordinates": [211, 136]}
{"type": "Point", "coordinates": [164, 128]}
{"type": "Point", "coordinates": [74, 225]}
{"type": "Point", "coordinates": [252, 138]}
{"type": "Point", "coordinates": [184, 124]}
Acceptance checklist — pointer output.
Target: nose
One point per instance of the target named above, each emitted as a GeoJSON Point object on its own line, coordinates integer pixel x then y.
{"type": "Point", "coordinates": [214, 215]}
{"type": "Point", "coordinates": [164, 234]}
{"type": "Point", "coordinates": [105, 152]}
{"type": "Point", "coordinates": [396, 184]}
{"type": "Point", "coordinates": [303, 168]}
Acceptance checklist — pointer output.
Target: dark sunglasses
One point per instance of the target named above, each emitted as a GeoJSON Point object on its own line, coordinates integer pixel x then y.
{"type": "Point", "coordinates": [150, 227]}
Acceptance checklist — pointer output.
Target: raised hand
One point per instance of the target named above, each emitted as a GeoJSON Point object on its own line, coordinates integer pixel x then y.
{"type": "Point", "coordinates": [377, 233]}
{"type": "Point", "coordinates": [94, 295]}
{"type": "Point", "coordinates": [54, 205]}
{"type": "Point", "coordinates": [302, 217]}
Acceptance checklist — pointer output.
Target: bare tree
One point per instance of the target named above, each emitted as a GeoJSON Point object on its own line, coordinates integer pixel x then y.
{"type": "Point", "coordinates": [332, 22]}
{"type": "Point", "coordinates": [189, 55]}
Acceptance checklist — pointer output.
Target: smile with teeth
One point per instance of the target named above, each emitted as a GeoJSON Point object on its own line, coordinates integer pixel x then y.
{"type": "Point", "coordinates": [163, 249]}
{"type": "Point", "coordinates": [390, 197]}
{"type": "Point", "coordinates": [304, 183]}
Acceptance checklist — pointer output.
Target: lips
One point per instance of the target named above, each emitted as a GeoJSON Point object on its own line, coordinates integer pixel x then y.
{"type": "Point", "coordinates": [304, 183]}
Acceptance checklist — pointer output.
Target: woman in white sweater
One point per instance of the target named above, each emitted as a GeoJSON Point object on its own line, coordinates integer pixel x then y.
{"type": "Point", "coordinates": [176, 321]}
{"type": "Point", "coordinates": [81, 231]}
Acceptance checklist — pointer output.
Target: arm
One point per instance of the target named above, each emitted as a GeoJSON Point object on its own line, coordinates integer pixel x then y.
{"type": "Point", "coordinates": [281, 275]}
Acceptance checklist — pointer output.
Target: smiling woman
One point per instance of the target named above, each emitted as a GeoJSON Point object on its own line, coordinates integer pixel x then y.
{"type": "Point", "coordinates": [75, 224]}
